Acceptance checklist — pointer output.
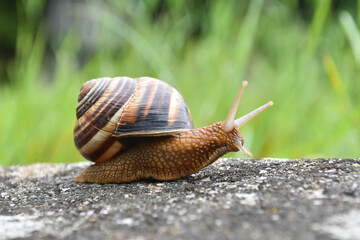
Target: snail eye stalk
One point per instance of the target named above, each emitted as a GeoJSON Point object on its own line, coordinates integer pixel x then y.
{"type": "Point", "coordinates": [244, 119]}
{"type": "Point", "coordinates": [229, 123]}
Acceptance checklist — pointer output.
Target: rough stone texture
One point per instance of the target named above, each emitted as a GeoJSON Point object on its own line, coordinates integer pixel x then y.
{"type": "Point", "coordinates": [231, 199]}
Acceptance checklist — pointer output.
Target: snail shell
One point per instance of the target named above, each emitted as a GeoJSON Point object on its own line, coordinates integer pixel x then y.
{"type": "Point", "coordinates": [112, 110]}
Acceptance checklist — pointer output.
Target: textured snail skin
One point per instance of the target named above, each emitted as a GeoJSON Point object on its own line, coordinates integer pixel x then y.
{"type": "Point", "coordinates": [165, 157]}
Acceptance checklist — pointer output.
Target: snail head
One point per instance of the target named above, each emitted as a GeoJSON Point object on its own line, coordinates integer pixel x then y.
{"type": "Point", "coordinates": [231, 124]}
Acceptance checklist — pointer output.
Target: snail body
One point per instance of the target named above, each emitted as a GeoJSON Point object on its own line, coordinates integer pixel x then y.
{"type": "Point", "coordinates": [141, 128]}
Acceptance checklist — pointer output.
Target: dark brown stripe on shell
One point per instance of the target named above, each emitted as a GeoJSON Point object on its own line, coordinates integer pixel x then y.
{"type": "Point", "coordinates": [102, 149]}
{"type": "Point", "coordinates": [163, 107]}
{"type": "Point", "coordinates": [130, 116]}
{"type": "Point", "coordinates": [146, 106]}
{"type": "Point", "coordinates": [100, 116]}
{"type": "Point", "coordinates": [92, 118]}
{"type": "Point", "coordinates": [85, 88]}
{"type": "Point", "coordinates": [93, 96]}
{"type": "Point", "coordinates": [155, 112]}
{"type": "Point", "coordinates": [107, 110]}
{"type": "Point", "coordinates": [150, 102]}
{"type": "Point", "coordinates": [117, 103]}
{"type": "Point", "coordinates": [95, 93]}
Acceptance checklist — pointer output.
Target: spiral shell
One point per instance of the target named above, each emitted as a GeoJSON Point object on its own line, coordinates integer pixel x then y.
{"type": "Point", "coordinates": [110, 109]}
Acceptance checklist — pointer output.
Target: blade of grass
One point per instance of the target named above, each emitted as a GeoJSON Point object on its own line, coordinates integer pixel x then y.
{"type": "Point", "coordinates": [352, 33]}
{"type": "Point", "coordinates": [358, 12]}
{"type": "Point", "coordinates": [334, 76]}
{"type": "Point", "coordinates": [246, 35]}
{"type": "Point", "coordinates": [317, 24]}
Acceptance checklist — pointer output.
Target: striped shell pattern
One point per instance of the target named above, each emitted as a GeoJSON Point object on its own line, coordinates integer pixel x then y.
{"type": "Point", "coordinates": [111, 109]}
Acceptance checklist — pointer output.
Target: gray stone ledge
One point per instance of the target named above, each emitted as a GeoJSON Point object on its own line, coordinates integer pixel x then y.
{"type": "Point", "coordinates": [231, 199]}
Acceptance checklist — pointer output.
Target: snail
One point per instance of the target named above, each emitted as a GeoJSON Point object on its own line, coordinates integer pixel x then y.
{"type": "Point", "coordinates": [138, 128]}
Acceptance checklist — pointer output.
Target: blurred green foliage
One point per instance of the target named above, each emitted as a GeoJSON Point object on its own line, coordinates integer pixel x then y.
{"type": "Point", "coordinates": [303, 55]}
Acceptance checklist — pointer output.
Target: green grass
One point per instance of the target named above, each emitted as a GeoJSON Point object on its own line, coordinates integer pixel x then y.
{"type": "Point", "coordinates": [309, 69]}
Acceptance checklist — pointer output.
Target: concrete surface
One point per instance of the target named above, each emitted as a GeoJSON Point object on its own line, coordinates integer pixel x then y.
{"type": "Point", "coordinates": [231, 199]}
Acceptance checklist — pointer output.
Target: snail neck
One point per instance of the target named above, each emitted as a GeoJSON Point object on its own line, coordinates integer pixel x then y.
{"type": "Point", "coordinates": [209, 143]}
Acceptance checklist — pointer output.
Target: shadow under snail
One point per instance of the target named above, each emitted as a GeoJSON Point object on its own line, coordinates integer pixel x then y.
{"type": "Point", "coordinates": [141, 128]}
